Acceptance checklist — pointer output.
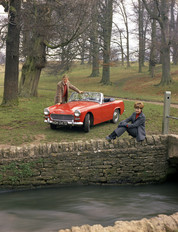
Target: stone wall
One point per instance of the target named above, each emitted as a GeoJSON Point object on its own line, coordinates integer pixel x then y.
{"type": "Point", "coordinates": [92, 162]}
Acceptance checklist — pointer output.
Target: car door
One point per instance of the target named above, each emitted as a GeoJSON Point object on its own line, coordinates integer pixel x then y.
{"type": "Point", "coordinates": [107, 109]}
{"type": "Point", "coordinates": [103, 112]}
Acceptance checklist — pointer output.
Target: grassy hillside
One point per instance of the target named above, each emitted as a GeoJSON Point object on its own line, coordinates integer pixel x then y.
{"type": "Point", "coordinates": [24, 124]}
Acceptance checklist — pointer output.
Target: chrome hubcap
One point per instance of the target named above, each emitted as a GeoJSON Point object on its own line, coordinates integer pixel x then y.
{"type": "Point", "coordinates": [115, 116]}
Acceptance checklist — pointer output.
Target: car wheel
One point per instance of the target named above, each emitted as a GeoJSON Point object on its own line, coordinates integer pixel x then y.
{"type": "Point", "coordinates": [115, 118]}
{"type": "Point", "coordinates": [53, 127]}
{"type": "Point", "coordinates": [87, 122]}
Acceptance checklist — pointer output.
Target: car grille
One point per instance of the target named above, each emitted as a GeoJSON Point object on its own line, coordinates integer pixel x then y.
{"type": "Point", "coordinates": [62, 117]}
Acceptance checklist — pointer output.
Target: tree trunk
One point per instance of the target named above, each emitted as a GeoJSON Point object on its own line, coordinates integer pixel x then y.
{"type": "Point", "coordinates": [95, 43]}
{"type": "Point", "coordinates": [95, 61]}
{"type": "Point", "coordinates": [165, 44]}
{"type": "Point", "coordinates": [31, 70]}
{"type": "Point", "coordinates": [165, 50]}
{"type": "Point", "coordinates": [120, 44]}
{"type": "Point", "coordinates": [152, 62]}
{"type": "Point", "coordinates": [83, 52]}
{"type": "Point", "coordinates": [127, 44]}
{"type": "Point", "coordinates": [106, 70]}
{"type": "Point", "coordinates": [125, 18]}
{"type": "Point", "coordinates": [10, 96]}
{"type": "Point", "coordinates": [107, 28]}
{"type": "Point", "coordinates": [141, 47]}
{"type": "Point", "coordinates": [162, 18]}
{"type": "Point", "coordinates": [175, 44]}
{"type": "Point", "coordinates": [89, 54]}
{"type": "Point", "coordinates": [174, 32]}
{"type": "Point", "coordinates": [122, 49]}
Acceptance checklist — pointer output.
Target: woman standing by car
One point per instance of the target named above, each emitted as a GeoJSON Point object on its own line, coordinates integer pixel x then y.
{"type": "Point", "coordinates": [63, 90]}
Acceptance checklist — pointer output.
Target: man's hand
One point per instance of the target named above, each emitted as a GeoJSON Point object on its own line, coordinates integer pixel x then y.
{"type": "Point", "coordinates": [58, 103]}
{"type": "Point", "coordinates": [81, 92]}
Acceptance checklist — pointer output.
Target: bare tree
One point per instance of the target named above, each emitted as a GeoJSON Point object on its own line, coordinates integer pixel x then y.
{"type": "Point", "coordinates": [122, 7]}
{"type": "Point", "coordinates": [141, 35]}
{"type": "Point", "coordinates": [153, 50]}
{"type": "Point", "coordinates": [143, 22]}
{"type": "Point", "coordinates": [63, 22]}
{"type": "Point", "coordinates": [106, 14]}
{"type": "Point", "coordinates": [161, 15]}
{"type": "Point", "coordinates": [10, 96]}
{"type": "Point", "coordinates": [119, 41]}
{"type": "Point", "coordinates": [34, 49]}
{"type": "Point", "coordinates": [174, 31]}
{"type": "Point", "coordinates": [94, 39]}
{"type": "Point", "coordinates": [3, 31]}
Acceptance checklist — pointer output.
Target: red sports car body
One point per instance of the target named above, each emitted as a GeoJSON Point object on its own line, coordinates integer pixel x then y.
{"type": "Point", "coordinates": [87, 109]}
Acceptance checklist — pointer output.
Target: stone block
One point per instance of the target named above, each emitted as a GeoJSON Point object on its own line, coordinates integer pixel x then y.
{"type": "Point", "coordinates": [150, 140]}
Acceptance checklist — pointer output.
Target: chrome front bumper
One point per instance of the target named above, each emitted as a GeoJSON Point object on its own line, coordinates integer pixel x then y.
{"type": "Point", "coordinates": [64, 122]}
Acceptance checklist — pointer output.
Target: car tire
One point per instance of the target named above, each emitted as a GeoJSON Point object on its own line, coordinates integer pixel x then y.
{"type": "Point", "coordinates": [115, 118]}
{"type": "Point", "coordinates": [53, 126]}
{"type": "Point", "coordinates": [87, 122]}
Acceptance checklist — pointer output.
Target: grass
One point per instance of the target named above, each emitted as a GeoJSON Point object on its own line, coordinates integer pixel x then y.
{"type": "Point", "coordinates": [24, 124]}
{"type": "Point", "coordinates": [128, 83]}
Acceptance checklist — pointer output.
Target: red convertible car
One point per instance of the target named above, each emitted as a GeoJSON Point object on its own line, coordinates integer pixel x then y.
{"type": "Point", "coordinates": [86, 110]}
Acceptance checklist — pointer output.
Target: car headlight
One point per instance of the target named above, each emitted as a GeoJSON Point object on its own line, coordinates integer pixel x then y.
{"type": "Point", "coordinates": [46, 111]}
{"type": "Point", "coordinates": [77, 113]}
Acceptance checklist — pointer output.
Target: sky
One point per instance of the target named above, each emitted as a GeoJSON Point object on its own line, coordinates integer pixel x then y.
{"type": "Point", "coordinates": [2, 10]}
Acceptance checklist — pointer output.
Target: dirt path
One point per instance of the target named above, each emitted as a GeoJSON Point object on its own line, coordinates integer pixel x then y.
{"type": "Point", "coordinates": [174, 105]}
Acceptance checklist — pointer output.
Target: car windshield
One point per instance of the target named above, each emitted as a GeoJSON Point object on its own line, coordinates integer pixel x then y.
{"type": "Point", "coordinates": [87, 96]}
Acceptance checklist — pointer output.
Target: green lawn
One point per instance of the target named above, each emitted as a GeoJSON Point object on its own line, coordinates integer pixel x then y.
{"type": "Point", "coordinates": [24, 124]}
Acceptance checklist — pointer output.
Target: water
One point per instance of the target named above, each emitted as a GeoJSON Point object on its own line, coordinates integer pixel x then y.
{"type": "Point", "coordinates": [47, 210]}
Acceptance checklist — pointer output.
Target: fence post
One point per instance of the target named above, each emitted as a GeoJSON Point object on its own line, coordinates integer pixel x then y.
{"type": "Point", "coordinates": [166, 112]}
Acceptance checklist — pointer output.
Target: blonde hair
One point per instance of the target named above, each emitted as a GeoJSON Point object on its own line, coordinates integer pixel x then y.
{"type": "Point", "coordinates": [65, 76]}
{"type": "Point", "coordinates": [139, 104]}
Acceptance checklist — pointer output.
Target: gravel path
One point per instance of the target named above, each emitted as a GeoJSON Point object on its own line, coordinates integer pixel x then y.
{"type": "Point", "coordinates": [174, 105]}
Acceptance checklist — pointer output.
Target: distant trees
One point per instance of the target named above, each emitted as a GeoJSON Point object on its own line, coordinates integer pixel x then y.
{"type": "Point", "coordinates": [158, 31]}
{"type": "Point", "coordinates": [161, 14]}
{"type": "Point", "coordinates": [3, 26]}
{"type": "Point", "coordinates": [124, 14]}
{"type": "Point", "coordinates": [82, 29]}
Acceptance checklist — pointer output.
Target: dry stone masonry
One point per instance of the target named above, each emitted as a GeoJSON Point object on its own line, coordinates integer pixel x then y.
{"type": "Point", "coordinates": [161, 223]}
{"type": "Point", "coordinates": [124, 161]}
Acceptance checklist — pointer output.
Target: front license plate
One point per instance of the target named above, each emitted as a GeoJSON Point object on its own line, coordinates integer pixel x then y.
{"type": "Point", "coordinates": [62, 123]}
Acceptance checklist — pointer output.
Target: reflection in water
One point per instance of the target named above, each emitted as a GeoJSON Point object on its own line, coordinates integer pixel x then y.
{"type": "Point", "coordinates": [49, 210]}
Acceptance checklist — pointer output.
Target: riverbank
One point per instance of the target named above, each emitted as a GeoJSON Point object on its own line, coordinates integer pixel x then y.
{"type": "Point", "coordinates": [161, 223]}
